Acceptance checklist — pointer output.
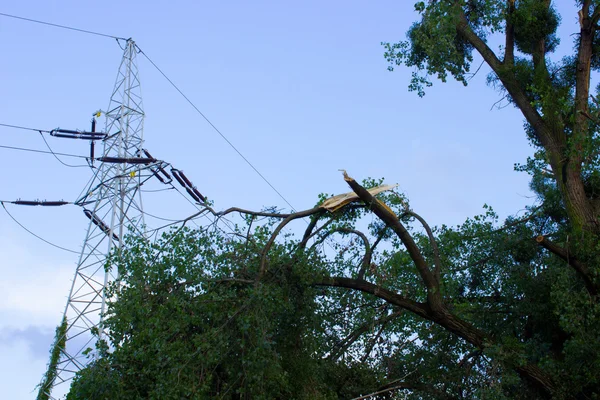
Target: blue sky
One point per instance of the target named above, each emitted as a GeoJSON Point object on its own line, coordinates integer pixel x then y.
{"type": "Point", "coordinates": [300, 88]}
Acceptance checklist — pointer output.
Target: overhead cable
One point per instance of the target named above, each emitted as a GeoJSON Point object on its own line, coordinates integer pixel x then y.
{"type": "Point", "coordinates": [216, 129]}
{"type": "Point", "coordinates": [58, 159]}
{"type": "Point", "coordinates": [62, 26]}
{"type": "Point", "coordinates": [24, 128]}
{"type": "Point", "coordinates": [174, 86]}
{"type": "Point", "coordinates": [37, 236]}
{"type": "Point", "coordinates": [42, 151]}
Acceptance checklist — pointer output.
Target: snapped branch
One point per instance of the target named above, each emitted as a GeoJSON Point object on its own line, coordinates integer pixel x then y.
{"type": "Point", "coordinates": [391, 219]}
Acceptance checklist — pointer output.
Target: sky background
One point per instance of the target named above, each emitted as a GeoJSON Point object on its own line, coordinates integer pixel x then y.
{"type": "Point", "coordinates": [301, 89]}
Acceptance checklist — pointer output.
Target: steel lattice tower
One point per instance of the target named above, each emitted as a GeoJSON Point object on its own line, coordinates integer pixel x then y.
{"type": "Point", "coordinates": [112, 202]}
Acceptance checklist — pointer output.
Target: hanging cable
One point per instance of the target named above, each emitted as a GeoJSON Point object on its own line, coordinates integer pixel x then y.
{"type": "Point", "coordinates": [58, 159]}
{"type": "Point", "coordinates": [39, 237]}
{"type": "Point", "coordinates": [62, 26]}
{"type": "Point", "coordinates": [41, 132]}
{"type": "Point", "coordinates": [42, 151]}
{"type": "Point", "coordinates": [135, 207]}
{"type": "Point", "coordinates": [155, 190]}
{"type": "Point", "coordinates": [88, 184]}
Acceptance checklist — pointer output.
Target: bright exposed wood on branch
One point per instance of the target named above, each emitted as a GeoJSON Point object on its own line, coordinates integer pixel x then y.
{"type": "Point", "coordinates": [337, 202]}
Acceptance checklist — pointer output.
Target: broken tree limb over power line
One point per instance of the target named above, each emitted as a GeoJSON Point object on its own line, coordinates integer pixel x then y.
{"type": "Point", "coordinates": [374, 305]}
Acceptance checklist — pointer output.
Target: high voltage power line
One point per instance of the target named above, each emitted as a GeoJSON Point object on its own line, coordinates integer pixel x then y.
{"type": "Point", "coordinates": [30, 203]}
{"type": "Point", "coordinates": [166, 77]}
{"type": "Point", "coordinates": [115, 202]}
{"type": "Point", "coordinates": [33, 234]}
{"type": "Point", "coordinates": [41, 151]}
{"type": "Point", "coordinates": [118, 38]}
{"type": "Point", "coordinates": [217, 130]}
{"type": "Point", "coordinates": [56, 156]}
{"type": "Point", "coordinates": [24, 128]}
{"type": "Point", "coordinates": [115, 193]}
{"type": "Point", "coordinates": [62, 26]}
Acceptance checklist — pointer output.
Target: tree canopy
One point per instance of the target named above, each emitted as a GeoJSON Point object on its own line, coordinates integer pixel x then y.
{"type": "Point", "coordinates": [371, 300]}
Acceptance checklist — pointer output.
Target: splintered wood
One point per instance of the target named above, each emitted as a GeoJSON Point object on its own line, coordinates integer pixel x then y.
{"type": "Point", "coordinates": [336, 202]}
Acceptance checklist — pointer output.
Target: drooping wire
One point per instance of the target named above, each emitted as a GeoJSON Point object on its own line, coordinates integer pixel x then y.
{"type": "Point", "coordinates": [155, 190]}
{"type": "Point", "coordinates": [192, 203]}
{"type": "Point", "coordinates": [62, 26]}
{"type": "Point", "coordinates": [42, 151]}
{"type": "Point", "coordinates": [37, 236]}
{"type": "Point", "coordinates": [135, 207]}
{"type": "Point", "coordinates": [41, 132]}
{"type": "Point", "coordinates": [58, 159]}
{"type": "Point", "coordinates": [216, 129]}
{"type": "Point", "coordinates": [90, 181]}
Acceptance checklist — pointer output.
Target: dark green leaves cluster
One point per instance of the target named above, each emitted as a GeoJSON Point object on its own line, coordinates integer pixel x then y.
{"type": "Point", "coordinates": [190, 322]}
{"type": "Point", "coordinates": [433, 48]}
{"type": "Point", "coordinates": [535, 22]}
{"type": "Point", "coordinates": [497, 310]}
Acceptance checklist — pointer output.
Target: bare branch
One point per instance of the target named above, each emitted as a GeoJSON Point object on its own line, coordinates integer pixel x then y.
{"type": "Point", "coordinates": [308, 232]}
{"type": "Point", "coordinates": [341, 347]}
{"type": "Point", "coordinates": [249, 212]}
{"type": "Point", "coordinates": [374, 339]}
{"type": "Point", "coordinates": [468, 356]}
{"type": "Point", "coordinates": [439, 394]}
{"type": "Point", "coordinates": [396, 299]}
{"type": "Point", "coordinates": [581, 269]}
{"type": "Point", "coordinates": [498, 105]}
{"type": "Point", "coordinates": [282, 224]}
{"type": "Point", "coordinates": [366, 260]}
{"type": "Point", "coordinates": [232, 280]}
{"type": "Point", "coordinates": [434, 247]}
{"type": "Point", "coordinates": [324, 237]}
{"type": "Point", "coordinates": [380, 237]}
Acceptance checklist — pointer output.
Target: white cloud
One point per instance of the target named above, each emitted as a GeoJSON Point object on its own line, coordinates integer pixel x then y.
{"type": "Point", "coordinates": [34, 289]}
{"type": "Point", "coordinates": [20, 370]}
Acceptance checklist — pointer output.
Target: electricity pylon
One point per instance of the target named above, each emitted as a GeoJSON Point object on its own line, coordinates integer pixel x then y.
{"type": "Point", "coordinates": [112, 202]}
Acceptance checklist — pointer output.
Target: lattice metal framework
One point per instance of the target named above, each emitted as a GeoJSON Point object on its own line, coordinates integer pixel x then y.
{"type": "Point", "coordinates": [113, 204]}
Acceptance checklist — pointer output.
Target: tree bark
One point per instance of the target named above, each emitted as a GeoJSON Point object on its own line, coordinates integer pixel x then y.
{"type": "Point", "coordinates": [434, 309]}
{"type": "Point", "coordinates": [580, 268]}
{"type": "Point", "coordinates": [566, 162]}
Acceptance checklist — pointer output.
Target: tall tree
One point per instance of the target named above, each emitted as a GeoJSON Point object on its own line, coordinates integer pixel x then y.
{"type": "Point", "coordinates": [555, 99]}
{"type": "Point", "coordinates": [360, 305]}
{"type": "Point", "coordinates": [553, 96]}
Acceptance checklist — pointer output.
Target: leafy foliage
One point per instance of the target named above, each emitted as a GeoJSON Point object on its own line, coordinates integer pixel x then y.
{"type": "Point", "coordinates": [370, 299]}
{"type": "Point", "coordinates": [189, 324]}
{"type": "Point", "coordinates": [55, 353]}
